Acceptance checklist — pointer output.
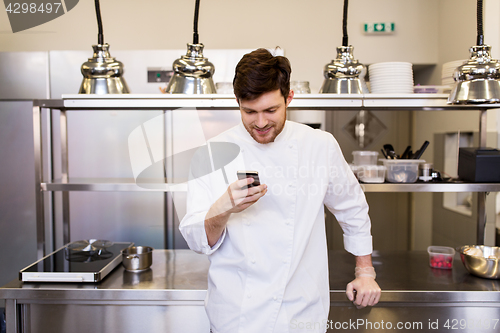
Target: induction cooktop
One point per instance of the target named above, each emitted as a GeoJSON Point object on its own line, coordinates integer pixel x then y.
{"type": "Point", "coordinates": [77, 263]}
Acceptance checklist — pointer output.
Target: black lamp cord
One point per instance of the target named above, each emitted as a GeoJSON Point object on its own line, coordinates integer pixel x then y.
{"type": "Point", "coordinates": [480, 35]}
{"type": "Point", "coordinates": [100, 36]}
{"type": "Point", "coordinates": [344, 25]}
{"type": "Point", "coordinates": [196, 13]}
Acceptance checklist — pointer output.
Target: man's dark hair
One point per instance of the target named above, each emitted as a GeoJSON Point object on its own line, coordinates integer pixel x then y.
{"type": "Point", "coordinates": [259, 72]}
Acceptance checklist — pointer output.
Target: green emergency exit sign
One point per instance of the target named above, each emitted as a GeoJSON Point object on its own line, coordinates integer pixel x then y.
{"type": "Point", "coordinates": [379, 28]}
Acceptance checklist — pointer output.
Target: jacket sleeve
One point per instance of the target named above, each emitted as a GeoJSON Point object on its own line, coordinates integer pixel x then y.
{"type": "Point", "coordinates": [346, 200]}
{"type": "Point", "coordinates": [192, 227]}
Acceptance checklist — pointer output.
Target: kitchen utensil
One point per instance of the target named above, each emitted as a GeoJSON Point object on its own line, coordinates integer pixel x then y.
{"type": "Point", "coordinates": [389, 149]}
{"type": "Point", "coordinates": [388, 146]}
{"type": "Point", "coordinates": [406, 153]}
{"type": "Point", "coordinates": [393, 155]}
{"type": "Point", "coordinates": [487, 266]}
{"type": "Point", "coordinates": [384, 153]}
{"type": "Point", "coordinates": [137, 258]}
{"type": "Point", "coordinates": [419, 152]}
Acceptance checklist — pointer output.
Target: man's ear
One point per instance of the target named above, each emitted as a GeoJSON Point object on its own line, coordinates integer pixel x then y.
{"type": "Point", "coordinates": [290, 97]}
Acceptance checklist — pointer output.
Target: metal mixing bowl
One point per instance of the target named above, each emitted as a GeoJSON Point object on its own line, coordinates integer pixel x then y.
{"type": "Point", "coordinates": [482, 266]}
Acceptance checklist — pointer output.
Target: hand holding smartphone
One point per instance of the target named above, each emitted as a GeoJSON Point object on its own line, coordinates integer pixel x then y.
{"type": "Point", "coordinates": [249, 174]}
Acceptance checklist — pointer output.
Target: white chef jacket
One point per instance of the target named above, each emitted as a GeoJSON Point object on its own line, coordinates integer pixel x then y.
{"type": "Point", "coordinates": [269, 269]}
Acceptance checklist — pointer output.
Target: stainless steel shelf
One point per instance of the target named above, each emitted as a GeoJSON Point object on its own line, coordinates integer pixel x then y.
{"type": "Point", "coordinates": [110, 185]}
{"type": "Point", "coordinates": [432, 187]}
{"type": "Point", "coordinates": [218, 101]}
{"type": "Point", "coordinates": [129, 185]}
{"type": "Point", "coordinates": [227, 101]}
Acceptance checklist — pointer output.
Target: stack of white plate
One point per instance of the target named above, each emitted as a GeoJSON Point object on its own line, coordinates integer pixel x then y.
{"type": "Point", "coordinates": [447, 72]}
{"type": "Point", "coordinates": [391, 78]}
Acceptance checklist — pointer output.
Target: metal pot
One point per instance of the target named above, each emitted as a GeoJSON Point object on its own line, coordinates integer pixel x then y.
{"type": "Point", "coordinates": [137, 258]}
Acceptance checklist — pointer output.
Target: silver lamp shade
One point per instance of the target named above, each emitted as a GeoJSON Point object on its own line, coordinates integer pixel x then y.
{"type": "Point", "coordinates": [192, 73]}
{"type": "Point", "coordinates": [344, 75]}
{"type": "Point", "coordinates": [477, 80]}
{"type": "Point", "coordinates": [102, 74]}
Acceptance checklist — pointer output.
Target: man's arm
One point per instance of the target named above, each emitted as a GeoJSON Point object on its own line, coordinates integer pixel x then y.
{"type": "Point", "coordinates": [367, 290]}
{"type": "Point", "coordinates": [234, 200]}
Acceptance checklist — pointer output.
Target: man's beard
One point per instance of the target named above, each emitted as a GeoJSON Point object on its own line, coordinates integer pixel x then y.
{"type": "Point", "coordinates": [275, 130]}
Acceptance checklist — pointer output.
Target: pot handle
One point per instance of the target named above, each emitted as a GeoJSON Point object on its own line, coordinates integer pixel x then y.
{"type": "Point", "coordinates": [132, 257]}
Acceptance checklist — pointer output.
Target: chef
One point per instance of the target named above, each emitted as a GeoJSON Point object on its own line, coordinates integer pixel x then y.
{"type": "Point", "coordinates": [267, 243]}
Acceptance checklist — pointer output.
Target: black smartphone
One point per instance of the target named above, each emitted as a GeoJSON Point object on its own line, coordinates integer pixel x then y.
{"type": "Point", "coordinates": [249, 174]}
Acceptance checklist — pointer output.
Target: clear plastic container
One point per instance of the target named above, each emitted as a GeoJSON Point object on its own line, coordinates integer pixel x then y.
{"type": "Point", "coordinates": [364, 157]}
{"type": "Point", "coordinates": [402, 171]}
{"type": "Point", "coordinates": [371, 173]}
{"type": "Point", "coordinates": [441, 256]}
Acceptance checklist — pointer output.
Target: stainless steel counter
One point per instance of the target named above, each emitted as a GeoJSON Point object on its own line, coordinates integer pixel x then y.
{"type": "Point", "coordinates": [175, 275]}
{"type": "Point", "coordinates": [415, 297]}
{"type": "Point", "coordinates": [169, 297]}
{"type": "Point", "coordinates": [407, 277]}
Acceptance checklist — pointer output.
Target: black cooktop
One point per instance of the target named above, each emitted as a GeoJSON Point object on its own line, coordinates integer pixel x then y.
{"type": "Point", "coordinates": [71, 265]}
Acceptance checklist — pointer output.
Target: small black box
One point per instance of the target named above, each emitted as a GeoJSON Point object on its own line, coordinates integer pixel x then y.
{"type": "Point", "coordinates": [479, 165]}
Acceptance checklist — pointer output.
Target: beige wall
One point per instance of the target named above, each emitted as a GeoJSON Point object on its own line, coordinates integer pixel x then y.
{"type": "Point", "coordinates": [456, 31]}
{"type": "Point", "coordinates": [308, 31]}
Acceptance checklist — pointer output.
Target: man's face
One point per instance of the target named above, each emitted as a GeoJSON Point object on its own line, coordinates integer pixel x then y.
{"type": "Point", "coordinates": [264, 117]}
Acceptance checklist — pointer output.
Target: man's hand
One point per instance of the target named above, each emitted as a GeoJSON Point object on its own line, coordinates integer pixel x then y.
{"type": "Point", "coordinates": [234, 200]}
{"type": "Point", "coordinates": [365, 286]}
{"type": "Point", "coordinates": [367, 291]}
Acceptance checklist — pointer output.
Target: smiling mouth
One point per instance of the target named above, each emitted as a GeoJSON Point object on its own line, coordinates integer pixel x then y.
{"type": "Point", "coordinates": [264, 131]}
